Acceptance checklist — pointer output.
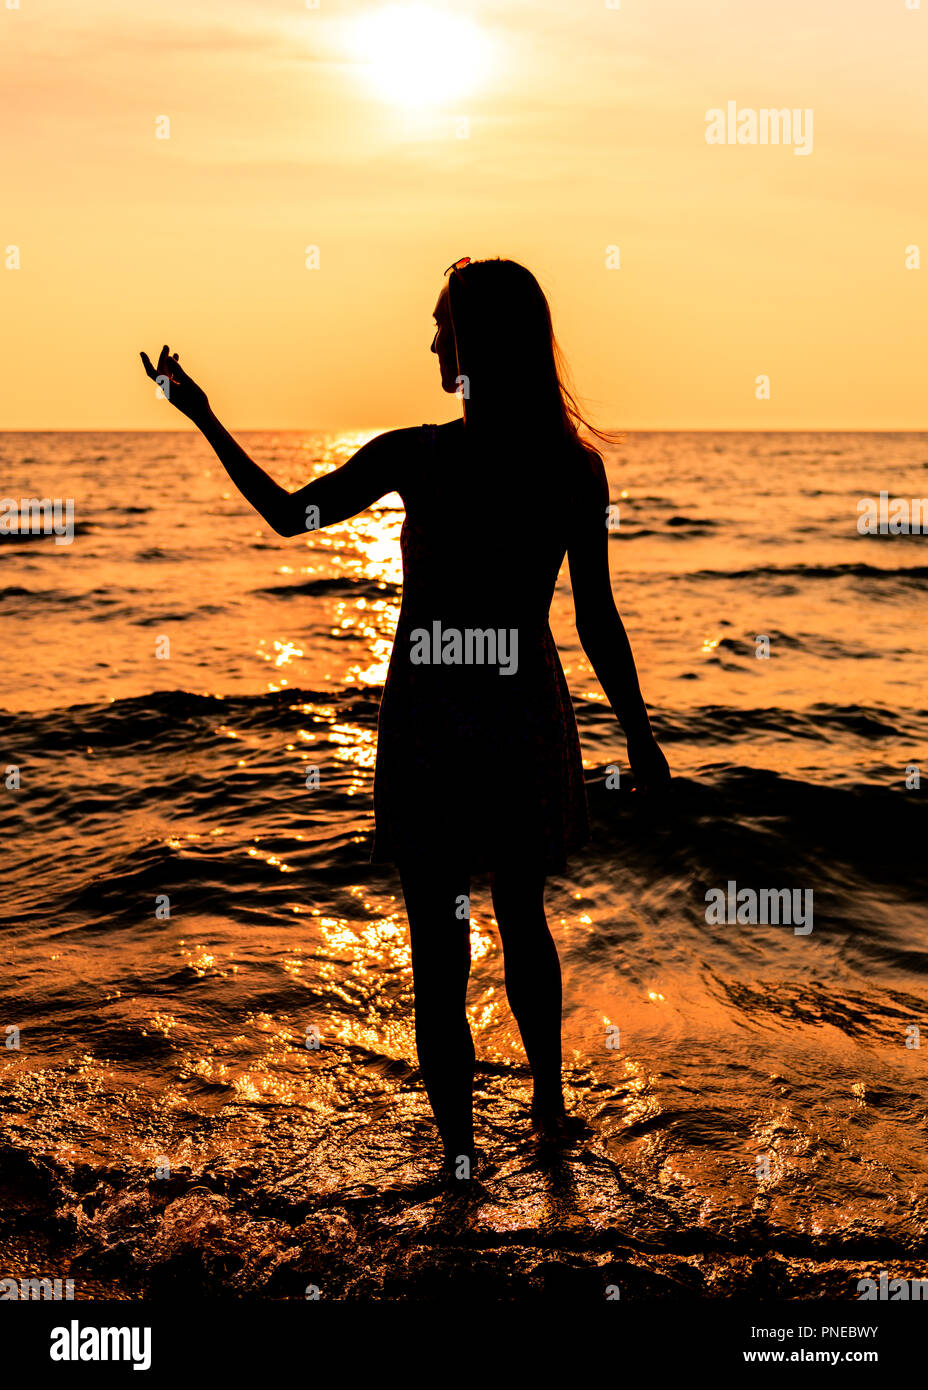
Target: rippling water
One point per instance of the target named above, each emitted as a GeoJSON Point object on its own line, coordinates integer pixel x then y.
{"type": "Point", "coordinates": [761, 1124]}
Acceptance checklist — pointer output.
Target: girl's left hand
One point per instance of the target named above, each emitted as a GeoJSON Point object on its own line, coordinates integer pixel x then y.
{"type": "Point", "coordinates": [648, 765]}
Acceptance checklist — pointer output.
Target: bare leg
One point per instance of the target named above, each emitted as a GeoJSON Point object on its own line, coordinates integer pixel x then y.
{"type": "Point", "coordinates": [533, 980]}
{"type": "Point", "coordinates": [440, 940]}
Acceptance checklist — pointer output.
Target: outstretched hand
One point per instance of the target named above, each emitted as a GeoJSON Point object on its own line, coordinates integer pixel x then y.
{"type": "Point", "coordinates": [180, 389]}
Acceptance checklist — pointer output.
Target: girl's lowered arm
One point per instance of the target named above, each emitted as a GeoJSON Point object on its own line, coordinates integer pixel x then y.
{"type": "Point", "coordinates": [602, 633]}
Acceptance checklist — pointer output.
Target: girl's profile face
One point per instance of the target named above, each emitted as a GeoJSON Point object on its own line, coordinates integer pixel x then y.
{"type": "Point", "coordinates": [443, 343]}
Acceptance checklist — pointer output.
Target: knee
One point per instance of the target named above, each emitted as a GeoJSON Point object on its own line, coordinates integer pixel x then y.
{"type": "Point", "coordinates": [518, 895]}
{"type": "Point", "coordinates": [520, 917]}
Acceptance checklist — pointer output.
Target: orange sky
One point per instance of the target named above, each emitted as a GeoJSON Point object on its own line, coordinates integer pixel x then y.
{"type": "Point", "coordinates": [292, 126]}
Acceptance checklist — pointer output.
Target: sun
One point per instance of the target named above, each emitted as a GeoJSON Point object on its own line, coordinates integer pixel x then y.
{"type": "Point", "coordinates": [414, 55]}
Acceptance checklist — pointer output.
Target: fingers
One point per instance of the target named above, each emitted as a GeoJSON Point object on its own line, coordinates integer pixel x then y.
{"type": "Point", "coordinates": [168, 365]}
{"type": "Point", "coordinates": [171, 367]}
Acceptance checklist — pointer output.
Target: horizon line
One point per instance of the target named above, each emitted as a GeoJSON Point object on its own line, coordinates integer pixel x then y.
{"type": "Point", "coordinates": [345, 429]}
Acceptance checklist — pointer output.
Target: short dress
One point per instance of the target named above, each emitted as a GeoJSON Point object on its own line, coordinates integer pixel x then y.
{"type": "Point", "coordinates": [478, 754]}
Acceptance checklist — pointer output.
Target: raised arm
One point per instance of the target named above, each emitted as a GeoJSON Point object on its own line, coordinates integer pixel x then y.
{"type": "Point", "coordinates": [368, 475]}
{"type": "Point", "coordinates": [601, 631]}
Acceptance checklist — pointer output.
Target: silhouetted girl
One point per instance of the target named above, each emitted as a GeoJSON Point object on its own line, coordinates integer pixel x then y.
{"type": "Point", "coordinates": [478, 758]}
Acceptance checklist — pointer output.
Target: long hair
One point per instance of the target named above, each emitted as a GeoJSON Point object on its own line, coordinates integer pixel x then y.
{"type": "Point", "coordinates": [511, 370]}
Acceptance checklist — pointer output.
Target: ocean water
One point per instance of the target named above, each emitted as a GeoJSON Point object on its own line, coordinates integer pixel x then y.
{"type": "Point", "coordinates": [757, 1102]}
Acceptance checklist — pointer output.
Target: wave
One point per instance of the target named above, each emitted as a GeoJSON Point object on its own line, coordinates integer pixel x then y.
{"type": "Point", "coordinates": [857, 847]}
{"type": "Point", "coordinates": [170, 715]}
{"type": "Point", "coordinates": [116, 602]}
{"type": "Point", "coordinates": [36, 595]}
{"type": "Point", "coordinates": [345, 586]}
{"type": "Point", "coordinates": [282, 1197]}
{"type": "Point", "coordinates": [145, 717]}
{"type": "Point", "coordinates": [78, 528]}
{"type": "Point", "coordinates": [848, 570]}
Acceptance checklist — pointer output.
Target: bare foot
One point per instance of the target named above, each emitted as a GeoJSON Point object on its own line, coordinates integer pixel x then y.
{"type": "Point", "coordinates": [556, 1126]}
{"type": "Point", "coordinates": [465, 1171]}
{"type": "Point", "coordinates": [457, 1169]}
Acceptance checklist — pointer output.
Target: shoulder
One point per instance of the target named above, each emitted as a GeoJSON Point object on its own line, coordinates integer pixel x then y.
{"type": "Point", "coordinates": [401, 456]}
{"type": "Point", "coordinates": [395, 448]}
{"type": "Point", "coordinates": [422, 442]}
{"type": "Point", "coordinates": [445, 433]}
{"type": "Point", "coordinates": [398, 442]}
{"type": "Point", "coordinates": [588, 498]}
{"type": "Point", "coordinates": [591, 486]}
{"type": "Point", "coordinates": [412, 437]}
